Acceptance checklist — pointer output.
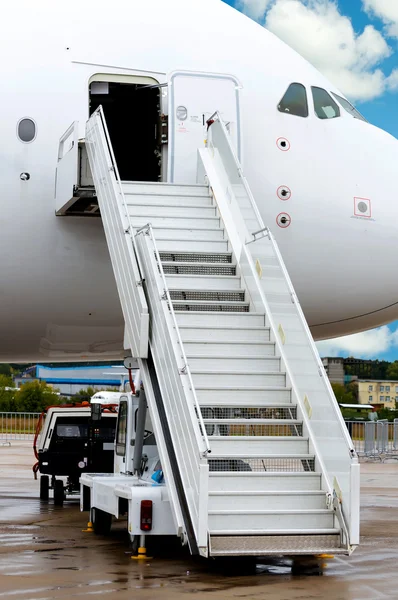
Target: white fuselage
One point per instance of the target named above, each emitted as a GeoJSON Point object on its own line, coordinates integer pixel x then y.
{"type": "Point", "coordinates": [58, 298]}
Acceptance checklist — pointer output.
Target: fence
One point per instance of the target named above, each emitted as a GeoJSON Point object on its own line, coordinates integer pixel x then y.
{"type": "Point", "coordinates": [377, 440]}
{"type": "Point", "coordinates": [17, 426]}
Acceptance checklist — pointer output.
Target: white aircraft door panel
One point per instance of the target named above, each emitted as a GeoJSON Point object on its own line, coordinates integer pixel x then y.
{"type": "Point", "coordinates": [67, 174]}
{"type": "Point", "coordinates": [193, 98]}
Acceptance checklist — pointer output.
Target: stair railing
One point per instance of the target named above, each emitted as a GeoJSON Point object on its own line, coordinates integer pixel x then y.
{"type": "Point", "coordinates": [220, 166]}
{"type": "Point", "coordinates": [201, 436]}
{"type": "Point", "coordinates": [186, 424]}
{"type": "Point", "coordinates": [115, 217]}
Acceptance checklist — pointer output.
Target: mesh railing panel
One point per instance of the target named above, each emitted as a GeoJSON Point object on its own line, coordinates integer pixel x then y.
{"type": "Point", "coordinates": [195, 257]}
{"type": "Point", "coordinates": [211, 307]}
{"type": "Point", "coordinates": [282, 465]}
{"type": "Point", "coordinates": [247, 412]}
{"type": "Point", "coordinates": [293, 430]}
{"type": "Point", "coordinates": [198, 270]}
{"type": "Point", "coordinates": [209, 296]}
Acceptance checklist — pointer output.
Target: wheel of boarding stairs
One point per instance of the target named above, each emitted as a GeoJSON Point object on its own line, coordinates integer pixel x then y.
{"type": "Point", "coordinates": [102, 522]}
{"type": "Point", "coordinates": [59, 494]}
{"type": "Point", "coordinates": [307, 565]}
{"type": "Point", "coordinates": [44, 487]}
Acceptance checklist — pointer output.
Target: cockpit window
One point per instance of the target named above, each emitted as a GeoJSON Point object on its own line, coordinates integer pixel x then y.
{"type": "Point", "coordinates": [349, 107]}
{"type": "Point", "coordinates": [294, 102]}
{"type": "Point", "coordinates": [325, 106]}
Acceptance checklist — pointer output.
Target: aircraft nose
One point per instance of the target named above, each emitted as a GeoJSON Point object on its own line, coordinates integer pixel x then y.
{"type": "Point", "coordinates": [344, 227]}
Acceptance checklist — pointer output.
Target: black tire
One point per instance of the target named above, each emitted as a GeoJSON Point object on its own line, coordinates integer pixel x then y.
{"type": "Point", "coordinates": [44, 487]}
{"type": "Point", "coordinates": [102, 522]}
{"type": "Point", "coordinates": [59, 494]}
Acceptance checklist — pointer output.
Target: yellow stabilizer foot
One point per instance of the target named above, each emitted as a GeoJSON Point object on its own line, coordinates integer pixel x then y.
{"type": "Point", "coordinates": [142, 555]}
{"type": "Point", "coordinates": [90, 528]}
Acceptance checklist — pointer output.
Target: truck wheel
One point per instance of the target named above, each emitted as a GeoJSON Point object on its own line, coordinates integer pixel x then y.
{"type": "Point", "coordinates": [44, 487]}
{"type": "Point", "coordinates": [59, 492]}
{"type": "Point", "coordinates": [102, 522]}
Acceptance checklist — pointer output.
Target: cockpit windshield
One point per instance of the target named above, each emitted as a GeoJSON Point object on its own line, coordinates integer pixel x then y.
{"type": "Point", "coordinates": [325, 106]}
{"type": "Point", "coordinates": [349, 107]}
{"type": "Point", "coordinates": [294, 102]}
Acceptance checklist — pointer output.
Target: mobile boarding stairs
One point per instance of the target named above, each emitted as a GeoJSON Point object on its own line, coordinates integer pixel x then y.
{"type": "Point", "coordinates": [256, 456]}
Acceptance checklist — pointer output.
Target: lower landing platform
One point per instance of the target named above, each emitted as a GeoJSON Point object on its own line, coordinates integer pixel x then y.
{"type": "Point", "coordinates": [263, 545]}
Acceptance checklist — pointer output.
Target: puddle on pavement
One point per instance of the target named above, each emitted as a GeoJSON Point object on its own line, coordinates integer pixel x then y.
{"type": "Point", "coordinates": [50, 557]}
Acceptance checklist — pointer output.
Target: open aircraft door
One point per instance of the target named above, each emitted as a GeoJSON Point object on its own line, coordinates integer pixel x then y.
{"type": "Point", "coordinates": [193, 98]}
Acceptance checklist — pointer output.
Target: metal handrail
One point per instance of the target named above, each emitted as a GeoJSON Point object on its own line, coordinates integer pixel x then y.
{"type": "Point", "coordinates": [130, 228]}
{"type": "Point", "coordinates": [266, 230]}
{"type": "Point", "coordinates": [314, 350]}
{"type": "Point", "coordinates": [99, 111]}
{"type": "Point", "coordinates": [185, 370]}
{"type": "Point", "coordinates": [217, 116]}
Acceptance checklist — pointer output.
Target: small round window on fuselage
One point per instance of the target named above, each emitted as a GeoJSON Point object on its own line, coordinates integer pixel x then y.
{"type": "Point", "coordinates": [26, 130]}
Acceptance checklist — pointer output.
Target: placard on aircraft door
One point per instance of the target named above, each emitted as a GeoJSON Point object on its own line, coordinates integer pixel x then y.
{"type": "Point", "coordinates": [193, 98]}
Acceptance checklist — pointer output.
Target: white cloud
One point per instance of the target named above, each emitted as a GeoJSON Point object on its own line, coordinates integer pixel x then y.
{"type": "Point", "coordinates": [325, 37]}
{"type": "Point", "coordinates": [368, 344]}
{"type": "Point", "coordinates": [253, 8]}
{"type": "Point", "coordinates": [393, 80]}
{"type": "Point", "coordinates": [387, 11]}
{"type": "Point", "coordinates": [320, 33]}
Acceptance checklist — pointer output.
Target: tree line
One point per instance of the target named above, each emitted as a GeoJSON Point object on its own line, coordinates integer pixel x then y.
{"type": "Point", "coordinates": [32, 396]}
{"type": "Point", "coordinates": [373, 369]}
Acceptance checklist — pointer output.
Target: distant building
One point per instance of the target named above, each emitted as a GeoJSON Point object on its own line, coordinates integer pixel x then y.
{"type": "Point", "coordinates": [70, 380]}
{"type": "Point", "coordinates": [334, 368]}
{"type": "Point", "coordinates": [379, 393]}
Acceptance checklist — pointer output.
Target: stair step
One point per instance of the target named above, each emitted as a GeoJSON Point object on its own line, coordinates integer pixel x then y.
{"type": "Point", "coordinates": [194, 268]}
{"type": "Point", "coordinates": [267, 500]}
{"type": "Point", "coordinates": [205, 282]}
{"type": "Point", "coordinates": [240, 421]}
{"type": "Point", "coordinates": [253, 427]}
{"type": "Point", "coordinates": [211, 305]}
{"type": "Point", "coordinates": [153, 199]}
{"type": "Point", "coordinates": [199, 211]}
{"type": "Point", "coordinates": [228, 377]}
{"type": "Point", "coordinates": [209, 296]}
{"type": "Point", "coordinates": [183, 233]}
{"type": "Point", "coordinates": [166, 189]}
{"type": "Point", "coordinates": [219, 333]}
{"type": "Point", "coordinates": [210, 396]}
{"type": "Point", "coordinates": [305, 543]}
{"type": "Point", "coordinates": [245, 522]}
{"type": "Point", "coordinates": [195, 319]}
{"type": "Point", "coordinates": [259, 481]}
{"type": "Point", "coordinates": [265, 364]}
{"type": "Point", "coordinates": [165, 222]}
{"type": "Point", "coordinates": [227, 350]}
{"type": "Point", "coordinates": [274, 414]}
{"type": "Point", "coordinates": [179, 246]}
{"type": "Point", "coordinates": [236, 446]}
{"type": "Point", "coordinates": [219, 258]}
{"type": "Point", "coordinates": [273, 463]}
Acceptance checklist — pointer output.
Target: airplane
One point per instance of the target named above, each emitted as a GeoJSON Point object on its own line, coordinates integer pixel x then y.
{"type": "Point", "coordinates": [323, 177]}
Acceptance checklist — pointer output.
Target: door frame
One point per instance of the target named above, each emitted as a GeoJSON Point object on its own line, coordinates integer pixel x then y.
{"type": "Point", "coordinates": [171, 111]}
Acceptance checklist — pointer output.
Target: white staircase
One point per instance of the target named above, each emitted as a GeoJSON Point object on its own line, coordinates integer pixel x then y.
{"type": "Point", "coordinates": [248, 468]}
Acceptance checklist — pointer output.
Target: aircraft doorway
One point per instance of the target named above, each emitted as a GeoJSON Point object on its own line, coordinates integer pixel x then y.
{"type": "Point", "coordinates": [132, 113]}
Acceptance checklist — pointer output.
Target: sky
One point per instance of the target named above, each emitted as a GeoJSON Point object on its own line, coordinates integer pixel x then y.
{"type": "Point", "coordinates": [355, 44]}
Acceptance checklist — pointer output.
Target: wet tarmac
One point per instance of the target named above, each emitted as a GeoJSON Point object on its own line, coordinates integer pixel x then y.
{"type": "Point", "coordinates": [44, 554]}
